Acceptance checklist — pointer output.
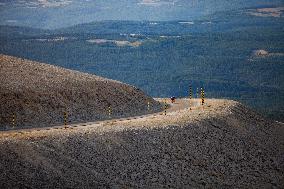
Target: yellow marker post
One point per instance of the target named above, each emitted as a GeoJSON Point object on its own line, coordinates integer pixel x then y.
{"type": "Point", "coordinates": [202, 96]}
{"type": "Point", "coordinates": [165, 107]}
{"type": "Point", "coordinates": [14, 120]}
{"type": "Point", "coordinates": [65, 120]}
{"type": "Point", "coordinates": [190, 97]}
{"type": "Point", "coordinates": [109, 112]}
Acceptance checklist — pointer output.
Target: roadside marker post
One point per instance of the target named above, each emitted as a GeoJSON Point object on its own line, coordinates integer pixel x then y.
{"type": "Point", "coordinates": [197, 92]}
{"type": "Point", "coordinates": [190, 97]}
{"type": "Point", "coordinates": [109, 112]}
{"type": "Point", "coordinates": [202, 96]}
{"type": "Point", "coordinates": [148, 105]}
{"type": "Point", "coordinates": [65, 120]}
{"type": "Point", "coordinates": [165, 107]}
{"type": "Point", "coordinates": [14, 120]}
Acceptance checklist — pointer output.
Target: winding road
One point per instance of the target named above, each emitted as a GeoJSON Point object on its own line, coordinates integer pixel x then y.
{"type": "Point", "coordinates": [180, 104]}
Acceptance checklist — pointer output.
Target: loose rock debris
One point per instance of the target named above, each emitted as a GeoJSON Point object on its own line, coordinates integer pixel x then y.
{"type": "Point", "coordinates": [221, 146]}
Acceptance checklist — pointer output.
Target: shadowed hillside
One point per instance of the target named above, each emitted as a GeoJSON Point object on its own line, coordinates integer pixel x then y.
{"type": "Point", "coordinates": [38, 94]}
{"type": "Point", "coordinates": [221, 145]}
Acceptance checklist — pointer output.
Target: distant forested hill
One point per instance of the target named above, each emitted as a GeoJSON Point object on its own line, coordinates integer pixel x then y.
{"type": "Point", "coordinates": [217, 52]}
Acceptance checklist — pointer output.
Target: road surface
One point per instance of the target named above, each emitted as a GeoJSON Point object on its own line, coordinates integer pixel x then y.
{"type": "Point", "coordinates": [179, 105]}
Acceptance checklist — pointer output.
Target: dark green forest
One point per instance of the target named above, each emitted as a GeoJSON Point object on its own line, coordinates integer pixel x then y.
{"type": "Point", "coordinates": [164, 59]}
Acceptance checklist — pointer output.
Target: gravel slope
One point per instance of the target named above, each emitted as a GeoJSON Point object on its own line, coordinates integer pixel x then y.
{"type": "Point", "coordinates": [39, 94]}
{"type": "Point", "coordinates": [223, 145]}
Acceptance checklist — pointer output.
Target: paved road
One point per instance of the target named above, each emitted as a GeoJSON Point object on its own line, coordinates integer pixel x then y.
{"type": "Point", "coordinates": [180, 104]}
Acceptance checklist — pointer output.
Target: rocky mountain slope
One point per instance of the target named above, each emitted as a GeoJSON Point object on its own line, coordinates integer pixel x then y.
{"type": "Point", "coordinates": [221, 145]}
{"type": "Point", "coordinates": [39, 94]}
